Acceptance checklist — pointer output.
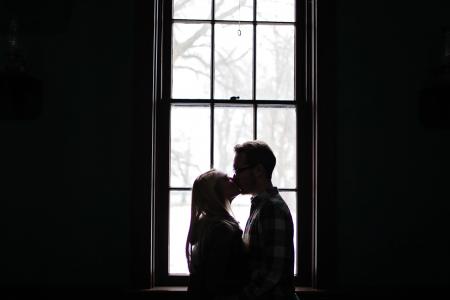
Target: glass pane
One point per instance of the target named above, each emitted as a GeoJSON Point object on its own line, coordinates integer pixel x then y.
{"type": "Point", "coordinates": [277, 127]}
{"type": "Point", "coordinates": [291, 200]}
{"type": "Point", "coordinates": [238, 10]}
{"type": "Point", "coordinates": [275, 62]}
{"type": "Point", "coordinates": [241, 209]}
{"type": "Point", "coordinates": [189, 144]}
{"type": "Point", "coordinates": [233, 61]}
{"type": "Point", "coordinates": [232, 125]}
{"type": "Point", "coordinates": [179, 218]}
{"type": "Point", "coordinates": [192, 9]}
{"type": "Point", "coordinates": [191, 61]}
{"type": "Point", "coordinates": [276, 10]}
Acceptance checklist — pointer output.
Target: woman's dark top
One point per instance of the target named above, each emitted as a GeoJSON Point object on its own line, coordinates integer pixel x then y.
{"type": "Point", "coordinates": [218, 261]}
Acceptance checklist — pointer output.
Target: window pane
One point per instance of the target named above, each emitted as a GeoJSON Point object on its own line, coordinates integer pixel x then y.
{"type": "Point", "coordinates": [179, 218]}
{"type": "Point", "coordinates": [192, 9]}
{"type": "Point", "coordinates": [191, 61]}
{"type": "Point", "coordinates": [229, 10]}
{"type": "Point", "coordinates": [276, 10]}
{"type": "Point", "coordinates": [241, 209]}
{"type": "Point", "coordinates": [275, 62]}
{"type": "Point", "coordinates": [232, 125]}
{"type": "Point", "coordinates": [277, 127]}
{"type": "Point", "coordinates": [291, 200]}
{"type": "Point", "coordinates": [233, 61]}
{"type": "Point", "coordinates": [189, 144]}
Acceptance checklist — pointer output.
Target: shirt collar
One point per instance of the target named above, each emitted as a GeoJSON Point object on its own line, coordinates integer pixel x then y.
{"type": "Point", "coordinates": [261, 197]}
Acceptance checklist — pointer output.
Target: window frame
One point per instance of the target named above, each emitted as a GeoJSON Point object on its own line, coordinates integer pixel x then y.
{"type": "Point", "coordinates": [163, 156]}
{"type": "Point", "coordinates": [150, 214]}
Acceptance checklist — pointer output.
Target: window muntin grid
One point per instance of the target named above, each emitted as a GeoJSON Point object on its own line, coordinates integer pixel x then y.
{"type": "Point", "coordinates": [210, 50]}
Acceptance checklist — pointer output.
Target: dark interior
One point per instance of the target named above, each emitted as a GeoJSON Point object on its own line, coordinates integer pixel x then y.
{"type": "Point", "coordinates": [70, 167]}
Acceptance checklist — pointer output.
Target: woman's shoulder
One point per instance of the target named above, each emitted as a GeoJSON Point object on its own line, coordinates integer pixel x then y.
{"type": "Point", "coordinates": [221, 230]}
{"type": "Point", "coordinates": [229, 226]}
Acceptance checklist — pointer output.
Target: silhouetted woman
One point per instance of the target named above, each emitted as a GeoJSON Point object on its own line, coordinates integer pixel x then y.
{"type": "Point", "coordinates": [214, 248]}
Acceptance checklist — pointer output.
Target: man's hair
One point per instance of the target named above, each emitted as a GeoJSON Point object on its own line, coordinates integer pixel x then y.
{"type": "Point", "coordinates": [258, 152]}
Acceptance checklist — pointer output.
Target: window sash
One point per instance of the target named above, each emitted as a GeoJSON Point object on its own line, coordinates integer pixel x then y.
{"type": "Point", "coordinates": [304, 141]}
{"type": "Point", "coordinates": [254, 58]}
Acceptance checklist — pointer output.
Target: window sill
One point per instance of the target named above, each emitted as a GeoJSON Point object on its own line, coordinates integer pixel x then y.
{"type": "Point", "coordinates": [305, 293]}
{"type": "Point", "coordinates": [180, 290]}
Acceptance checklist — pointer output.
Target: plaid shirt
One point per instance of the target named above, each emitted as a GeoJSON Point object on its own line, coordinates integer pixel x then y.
{"type": "Point", "coordinates": [269, 237]}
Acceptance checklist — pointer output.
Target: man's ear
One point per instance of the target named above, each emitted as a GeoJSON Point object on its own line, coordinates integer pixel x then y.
{"type": "Point", "coordinates": [259, 170]}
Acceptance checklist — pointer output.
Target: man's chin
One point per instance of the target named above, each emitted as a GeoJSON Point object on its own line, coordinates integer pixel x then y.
{"type": "Point", "coordinates": [243, 191]}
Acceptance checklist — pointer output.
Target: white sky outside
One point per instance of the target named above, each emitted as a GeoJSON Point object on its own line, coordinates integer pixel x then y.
{"type": "Point", "coordinates": [233, 61]}
{"type": "Point", "coordinates": [192, 9]}
{"type": "Point", "coordinates": [278, 10]}
{"type": "Point", "coordinates": [229, 10]}
{"type": "Point", "coordinates": [267, 10]}
{"type": "Point", "coordinates": [189, 143]}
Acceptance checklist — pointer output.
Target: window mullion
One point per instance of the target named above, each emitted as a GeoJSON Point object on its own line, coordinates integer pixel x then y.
{"type": "Point", "coordinates": [255, 136]}
{"type": "Point", "coordinates": [213, 8]}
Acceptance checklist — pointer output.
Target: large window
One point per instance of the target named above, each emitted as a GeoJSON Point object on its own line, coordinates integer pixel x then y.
{"type": "Point", "coordinates": [231, 71]}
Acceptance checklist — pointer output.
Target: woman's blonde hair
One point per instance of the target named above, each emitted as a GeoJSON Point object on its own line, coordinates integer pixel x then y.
{"type": "Point", "coordinates": [209, 205]}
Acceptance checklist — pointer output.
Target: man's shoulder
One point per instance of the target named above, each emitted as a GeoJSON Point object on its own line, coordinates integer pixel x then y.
{"type": "Point", "coordinates": [275, 204]}
{"type": "Point", "coordinates": [276, 201]}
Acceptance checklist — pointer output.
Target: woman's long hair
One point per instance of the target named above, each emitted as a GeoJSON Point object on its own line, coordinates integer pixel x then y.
{"type": "Point", "coordinates": [208, 204]}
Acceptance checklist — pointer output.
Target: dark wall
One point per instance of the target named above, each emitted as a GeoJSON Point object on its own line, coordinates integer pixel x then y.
{"type": "Point", "coordinates": [64, 196]}
{"type": "Point", "coordinates": [393, 197]}
{"type": "Point", "coordinates": [65, 176]}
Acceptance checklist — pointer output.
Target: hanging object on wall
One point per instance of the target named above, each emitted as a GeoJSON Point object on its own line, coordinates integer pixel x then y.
{"type": "Point", "coordinates": [20, 93]}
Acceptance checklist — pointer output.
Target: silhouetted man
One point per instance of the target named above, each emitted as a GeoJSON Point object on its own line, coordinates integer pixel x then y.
{"type": "Point", "coordinates": [269, 230]}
